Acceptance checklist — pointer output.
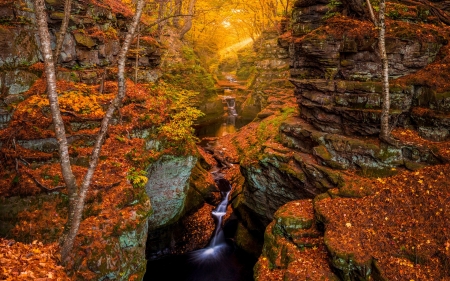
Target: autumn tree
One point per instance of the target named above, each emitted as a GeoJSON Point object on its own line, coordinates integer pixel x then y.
{"type": "Point", "coordinates": [178, 9]}
{"type": "Point", "coordinates": [188, 21]}
{"type": "Point", "coordinates": [381, 26]}
{"type": "Point", "coordinates": [77, 194]}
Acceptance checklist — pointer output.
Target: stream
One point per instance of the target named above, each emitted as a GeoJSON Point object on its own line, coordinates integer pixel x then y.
{"type": "Point", "coordinates": [221, 259]}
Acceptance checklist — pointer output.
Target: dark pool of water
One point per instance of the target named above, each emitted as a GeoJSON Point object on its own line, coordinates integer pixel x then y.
{"type": "Point", "coordinates": [231, 264]}
{"type": "Point", "coordinates": [227, 125]}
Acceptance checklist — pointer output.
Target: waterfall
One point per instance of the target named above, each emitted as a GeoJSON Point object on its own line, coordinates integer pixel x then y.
{"type": "Point", "coordinates": [231, 106]}
{"type": "Point", "coordinates": [217, 243]}
{"type": "Point", "coordinates": [218, 213]}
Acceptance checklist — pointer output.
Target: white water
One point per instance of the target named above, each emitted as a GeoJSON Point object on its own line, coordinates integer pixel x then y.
{"type": "Point", "coordinates": [231, 104]}
{"type": "Point", "coordinates": [217, 244]}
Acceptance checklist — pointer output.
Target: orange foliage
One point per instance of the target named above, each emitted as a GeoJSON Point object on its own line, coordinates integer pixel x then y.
{"type": "Point", "coordinates": [34, 261]}
{"type": "Point", "coordinates": [434, 75]}
{"type": "Point", "coordinates": [403, 225]}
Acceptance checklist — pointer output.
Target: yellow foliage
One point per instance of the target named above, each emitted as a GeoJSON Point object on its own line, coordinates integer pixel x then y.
{"type": "Point", "coordinates": [81, 103]}
{"type": "Point", "coordinates": [74, 101]}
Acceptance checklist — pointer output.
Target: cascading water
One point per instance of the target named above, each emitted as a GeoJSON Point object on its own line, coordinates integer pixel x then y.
{"type": "Point", "coordinates": [221, 260]}
{"type": "Point", "coordinates": [218, 214]}
{"type": "Point", "coordinates": [217, 244]}
{"type": "Point", "coordinates": [231, 105]}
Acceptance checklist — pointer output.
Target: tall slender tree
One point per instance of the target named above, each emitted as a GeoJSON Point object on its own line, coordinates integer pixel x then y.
{"type": "Point", "coordinates": [381, 26]}
{"type": "Point", "coordinates": [77, 194]}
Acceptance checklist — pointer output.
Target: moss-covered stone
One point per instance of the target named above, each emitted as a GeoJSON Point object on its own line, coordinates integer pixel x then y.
{"type": "Point", "coordinates": [322, 152]}
{"type": "Point", "coordinates": [167, 185]}
{"type": "Point", "coordinates": [84, 40]}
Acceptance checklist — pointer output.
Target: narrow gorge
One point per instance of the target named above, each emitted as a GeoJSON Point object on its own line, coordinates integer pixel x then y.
{"type": "Point", "coordinates": [247, 146]}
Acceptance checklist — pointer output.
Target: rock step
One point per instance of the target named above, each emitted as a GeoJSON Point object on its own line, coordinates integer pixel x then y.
{"type": "Point", "coordinates": [346, 120]}
{"type": "Point", "coordinates": [304, 167]}
{"type": "Point", "coordinates": [432, 124]}
{"type": "Point", "coordinates": [344, 152]}
{"type": "Point", "coordinates": [293, 247]}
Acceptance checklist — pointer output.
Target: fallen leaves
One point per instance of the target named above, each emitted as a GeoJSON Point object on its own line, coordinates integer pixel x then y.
{"type": "Point", "coordinates": [34, 261]}
{"type": "Point", "coordinates": [410, 215]}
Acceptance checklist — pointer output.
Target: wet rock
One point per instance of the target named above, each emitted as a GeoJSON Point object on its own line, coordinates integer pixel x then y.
{"type": "Point", "coordinates": [167, 186]}
{"type": "Point", "coordinates": [87, 58]}
{"type": "Point", "coordinates": [109, 50]}
{"type": "Point", "coordinates": [68, 51]}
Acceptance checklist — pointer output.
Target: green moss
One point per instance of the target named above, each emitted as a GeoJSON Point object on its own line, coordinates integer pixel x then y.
{"type": "Point", "coordinates": [84, 40]}
{"type": "Point", "coordinates": [322, 152]}
{"type": "Point", "coordinates": [377, 172]}
{"type": "Point", "coordinates": [413, 166]}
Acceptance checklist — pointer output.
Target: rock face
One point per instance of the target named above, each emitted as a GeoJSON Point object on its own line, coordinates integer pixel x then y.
{"type": "Point", "coordinates": [167, 187]}
{"type": "Point", "coordinates": [181, 193]}
{"type": "Point", "coordinates": [269, 72]}
{"type": "Point", "coordinates": [286, 155]}
{"type": "Point", "coordinates": [92, 42]}
{"type": "Point", "coordinates": [335, 68]}
{"type": "Point", "coordinates": [113, 250]}
{"type": "Point", "coordinates": [119, 254]}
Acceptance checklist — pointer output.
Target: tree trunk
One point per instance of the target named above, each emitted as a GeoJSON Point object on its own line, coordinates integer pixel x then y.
{"type": "Point", "coordinates": [136, 67]}
{"type": "Point", "coordinates": [161, 12]}
{"type": "Point", "coordinates": [178, 9]}
{"type": "Point", "coordinates": [384, 134]}
{"type": "Point", "coordinates": [76, 203]}
{"type": "Point", "coordinates": [188, 23]}
{"type": "Point", "coordinates": [60, 132]}
{"type": "Point", "coordinates": [372, 14]}
{"type": "Point", "coordinates": [68, 244]}
{"type": "Point", "coordinates": [62, 32]}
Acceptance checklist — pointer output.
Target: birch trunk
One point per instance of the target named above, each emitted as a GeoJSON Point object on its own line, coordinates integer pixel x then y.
{"type": "Point", "coordinates": [60, 132]}
{"type": "Point", "coordinates": [68, 243]}
{"type": "Point", "coordinates": [380, 24]}
{"type": "Point", "coordinates": [384, 134]}
{"type": "Point", "coordinates": [77, 198]}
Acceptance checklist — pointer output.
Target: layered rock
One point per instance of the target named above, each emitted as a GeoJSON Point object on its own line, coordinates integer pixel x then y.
{"type": "Point", "coordinates": [293, 247]}
{"type": "Point", "coordinates": [335, 68]}
{"type": "Point", "coordinates": [90, 48]}
{"type": "Point", "coordinates": [268, 73]}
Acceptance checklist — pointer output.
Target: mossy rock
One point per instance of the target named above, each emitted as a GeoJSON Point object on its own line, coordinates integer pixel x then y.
{"type": "Point", "coordinates": [377, 172]}
{"type": "Point", "coordinates": [414, 166]}
{"type": "Point", "coordinates": [295, 215]}
{"type": "Point", "coordinates": [84, 40]}
{"type": "Point", "coordinates": [322, 152]}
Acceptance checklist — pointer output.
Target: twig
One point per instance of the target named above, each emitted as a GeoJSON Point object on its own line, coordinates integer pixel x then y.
{"type": "Point", "coordinates": [43, 187]}
{"type": "Point", "coordinates": [106, 187]}
{"type": "Point", "coordinates": [79, 117]}
{"type": "Point", "coordinates": [102, 83]}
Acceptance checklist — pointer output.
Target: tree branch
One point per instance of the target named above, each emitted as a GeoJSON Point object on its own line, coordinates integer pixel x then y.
{"type": "Point", "coordinates": [41, 186]}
